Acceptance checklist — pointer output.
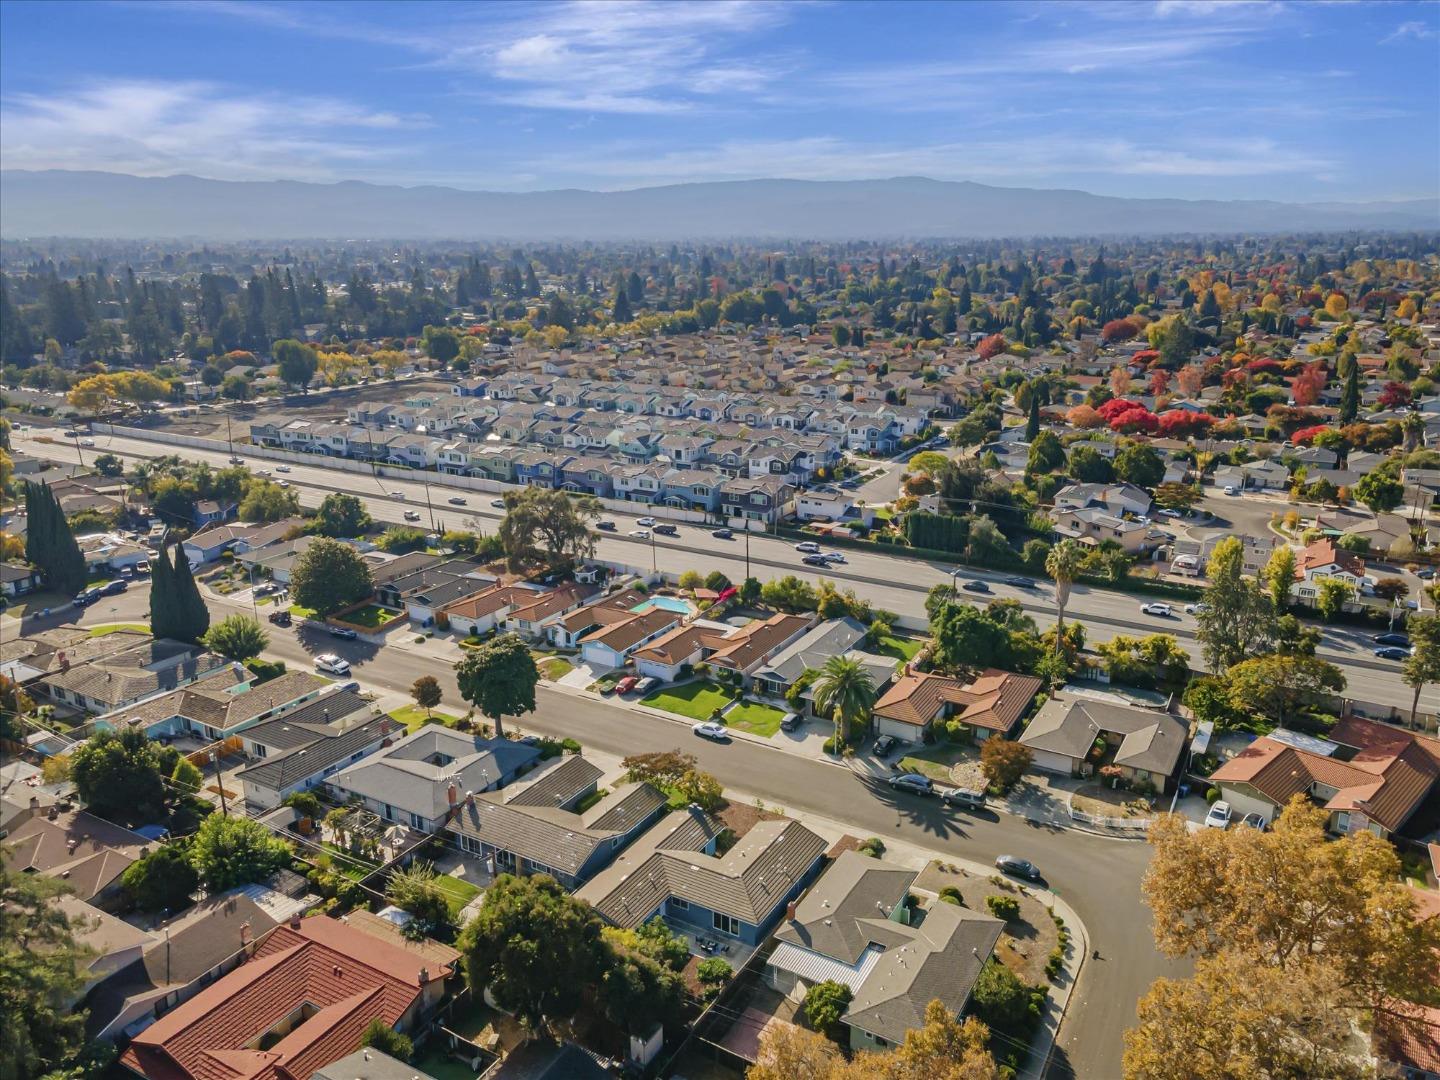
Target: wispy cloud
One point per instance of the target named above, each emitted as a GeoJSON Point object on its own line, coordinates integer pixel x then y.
{"type": "Point", "coordinates": [1414, 29]}
{"type": "Point", "coordinates": [158, 128]}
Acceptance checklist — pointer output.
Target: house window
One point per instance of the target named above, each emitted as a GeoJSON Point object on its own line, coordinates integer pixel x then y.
{"type": "Point", "coordinates": [727, 924]}
{"type": "Point", "coordinates": [879, 1041]}
{"type": "Point", "coordinates": [678, 903]}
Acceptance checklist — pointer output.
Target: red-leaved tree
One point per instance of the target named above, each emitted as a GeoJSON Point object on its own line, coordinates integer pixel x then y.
{"type": "Point", "coordinates": [1118, 330]}
{"type": "Point", "coordinates": [991, 346]}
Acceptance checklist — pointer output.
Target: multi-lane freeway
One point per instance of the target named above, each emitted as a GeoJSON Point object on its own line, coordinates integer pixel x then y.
{"type": "Point", "coordinates": [891, 582]}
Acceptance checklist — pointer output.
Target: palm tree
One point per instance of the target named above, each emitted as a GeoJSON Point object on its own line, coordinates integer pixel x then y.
{"type": "Point", "coordinates": [844, 691]}
{"type": "Point", "coordinates": [1063, 564]}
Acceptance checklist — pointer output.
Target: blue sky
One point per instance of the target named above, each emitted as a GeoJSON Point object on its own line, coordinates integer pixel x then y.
{"type": "Point", "coordinates": [1186, 98]}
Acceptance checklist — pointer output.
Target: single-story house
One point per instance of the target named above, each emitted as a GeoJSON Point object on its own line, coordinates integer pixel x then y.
{"type": "Point", "coordinates": [989, 704]}
{"type": "Point", "coordinates": [87, 852]}
{"type": "Point", "coordinates": [667, 657]}
{"type": "Point", "coordinates": [855, 927]}
{"type": "Point", "coordinates": [1075, 736]}
{"type": "Point", "coordinates": [1371, 777]}
{"type": "Point", "coordinates": [305, 748]}
{"type": "Point", "coordinates": [219, 707]}
{"type": "Point", "coordinates": [746, 649]}
{"type": "Point", "coordinates": [17, 579]}
{"type": "Point", "coordinates": [611, 646]}
{"type": "Point", "coordinates": [835, 637]}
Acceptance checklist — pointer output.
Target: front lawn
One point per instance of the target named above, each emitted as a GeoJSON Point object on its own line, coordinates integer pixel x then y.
{"type": "Point", "coordinates": [458, 892]}
{"type": "Point", "coordinates": [554, 668]}
{"type": "Point", "coordinates": [372, 617]}
{"type": "Point", "coordinates": [935, 761]}
{"type": "Point", "coordinates": [413, 717]}
{"type": "Point", "coordinates": [898, 647]}
{"type": "Point", "coordinates": [697, 700]}
{"type": "Point", "coordinates": [299, 612]}
{"type": "Point", "coordinates": [755, 717]}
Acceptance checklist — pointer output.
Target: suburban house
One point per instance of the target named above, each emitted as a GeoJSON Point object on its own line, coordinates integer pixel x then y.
{"type": "Point", "coordinates": [210, 511]}
{"type": "Point", "coordinates": [1324, 560]}
{"type": "Point", "coordinates": [856, 928]}
{"type": "Point", "coordinates": [668, 657]}
{"type": "Point", "coordinates": [1094, 527]}
{"type": "Point", "coordinates": [88, 853]}
{"type": "Point", "coordinates": [17, 579]}
{"type": "Point", "coordinates": [219, 707]}
{"type": "Point", "coordinates": [1371, 777]}
{"type": "Point", "coordinates": [304, 748]}
{"type": "Point", "coordinates": [420, 780]}
{"type": "Point", "coordinates": [829, 503]}
{"type": "Point", "coordinates": [479, 613]}
{"type": "Point", "coordinates": [1253, 474]}
{"type": "Point", "coordinates": [767, 499]}
{"type": "Point", "coordinates": [538, 826]}
{"type": "Point", "coordinates": [989, 704]}
{"type": "Point", "coordinates": [120, 678]}
{"type": "Point", "coordinates": [835, 637]}
{"type": "Point", "coordinates": [743, 651]}
{"type": "Point", "coordinates": [611, 646]}
{"type": "Point", "coordinates": [1118, 499]}
{"type": "Point", "coordinates": [1076, 736]}
{"type": "Point", "coordinates": [602, 611]}
{"type": "Point", "coordinates": [673, 871]}
{"type": "Point", "coordinates": [532, 616]}
{"type": "Point", "coordinates": [302, 1000]}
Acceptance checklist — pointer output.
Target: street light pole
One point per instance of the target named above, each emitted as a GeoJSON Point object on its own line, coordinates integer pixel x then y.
{"type": "Point", "coordinates": [747, 549]}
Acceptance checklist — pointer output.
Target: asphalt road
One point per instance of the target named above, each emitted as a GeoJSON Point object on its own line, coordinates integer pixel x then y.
{"type": "Point", "coordinates": [893, 583]}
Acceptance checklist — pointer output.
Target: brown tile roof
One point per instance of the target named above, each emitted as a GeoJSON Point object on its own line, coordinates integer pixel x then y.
{"type": "Point", "coordinates": [681, 642]}
{"type": "Point", "coordinates": [88, 852]}
{"type": "Point", "coordinates": [1323, 552]}
{"type": "Point", "coordinates": [916, 697]}
{"type": "Point", "coordinates": [545, 604]}
{"type": "Point", "coordinates": [621, 635]}
{"type": "Point", "coordinates": [349, 976]}
{"type": "Point", "coordinates": [485, 603]}
{"type": "Point", "coordinates": [994, 699]}
{"type": "Point", "coordinates": [757, 640]}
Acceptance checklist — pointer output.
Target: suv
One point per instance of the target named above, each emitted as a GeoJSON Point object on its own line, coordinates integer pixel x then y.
{"type": "Point", "coordinates": [332, 664]}
{"type": "Point", "coordinates": [790, 722]}
{"type": "Point", "coordinates": [1219, 816]}
{"type": "Point", "coordinates": [913, 783]}
{"type": "Point", "coordinates": [883, 745]}
{"type": "Point", "coordinates": [1162, 610]}
{"type": "Point", "coordinates": [281, 618]}
{"type": "Point", "coordinates": [605, 526]}
{"type": "Point", "coordinates": [968, 798]}
{"type": "Point", "coordinates": [666, 530]}
{"type": "Point", "coordinates": [344, 633]}
{"type": "Point", "coordinates": [808, 547]}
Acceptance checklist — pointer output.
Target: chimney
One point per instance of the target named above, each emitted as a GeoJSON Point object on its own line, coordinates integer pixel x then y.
{"type": "Point", "coordinates": [452, 795]}
{"type": "Point", "coordinates": [34, 802]}
{"type": "Point", "coordinates": [424, 975]}
{"type": "Point", "coordinates": [790, 910]}
{"type": "Point", "coordinates": [245, 933]}
{"type": "Point", "coordinates": [295, 921]}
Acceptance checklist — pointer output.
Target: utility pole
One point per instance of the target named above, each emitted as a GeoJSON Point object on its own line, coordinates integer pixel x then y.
{"type": "Point", "coordinates": [747, 550]}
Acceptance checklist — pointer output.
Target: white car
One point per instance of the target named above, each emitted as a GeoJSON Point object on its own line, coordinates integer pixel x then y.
{"type": "Point", "coordinates": [1219, 816]}
{"type": "Point", "coordinates": [648, 522]}
{"type": "Point", "coordinates": [1167, 512]}
{"type": "Point", "coordinates": [712, 731]}
{"type": "Point", "coordinates": [87, 442]}
{"type": "Point", "coordinates": [282, 468]}
{"type": "Point", "coordinates": [284, 483]}
{"type": "Point", "coordinates": [1196, 609]}
{"type": "Point", "coordinates": [397, 495]}
{"type": "Point", "coordinates": [808, 547]}
{"type": "Point", "coordinates": [1231, 489]}
{"type": "Point", "coordinates": [334, 665]}
{"type": "Point", "coordinates": [640, 534]}
{"type": "Point", "coordinates": [833, 556]}
{"type": "Point", "coordinates": [1163, 611]}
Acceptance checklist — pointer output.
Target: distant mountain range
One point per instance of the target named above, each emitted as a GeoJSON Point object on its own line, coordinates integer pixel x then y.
{"type": "Point", "coordinates": [112, 205]}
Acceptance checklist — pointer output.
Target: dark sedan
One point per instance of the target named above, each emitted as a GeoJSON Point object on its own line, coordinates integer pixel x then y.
{"type": "Point", "coordinates": [1016, 867]}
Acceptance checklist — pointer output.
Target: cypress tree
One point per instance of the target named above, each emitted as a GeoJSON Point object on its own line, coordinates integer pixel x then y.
{"type": "Point", "coordinates": [162, 593]}
{"type": "Point", "coordinates": [192, 616]}
{"type": "Point", "coordinates": [70, 572]}
{"type": "Point", "coordinates": [49, 543]}
{"type": "Point", "coordinates": [1350, 397]}
{"type": "Point", "coordinates": [1032, 425]}
{"type": "Point", "coordinates": [37, 526]}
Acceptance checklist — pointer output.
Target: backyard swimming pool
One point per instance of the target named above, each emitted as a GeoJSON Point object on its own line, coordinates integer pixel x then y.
{"type": "Point", "coordinates": [667, 603]}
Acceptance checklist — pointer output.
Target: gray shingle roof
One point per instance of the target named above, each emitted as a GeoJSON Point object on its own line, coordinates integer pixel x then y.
{"type": "Point", "coordinates": [1150, 740]}
{"type": "Point", "coordinates": [855, 890]}
{"type": "Point", "coordinates": [328, 746]}
{"type": "Point", "coordinates": [559, 785]}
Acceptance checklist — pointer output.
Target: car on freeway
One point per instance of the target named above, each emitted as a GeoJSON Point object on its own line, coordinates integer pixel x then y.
{"type": "Point", "coordinates": [282, 468]}
{"type": "Point", "coordinates": [284, 483]}
{"type": "Point", "coordinates": [281, 617]}
{"type": "Point", "coordinates": [639, 534]}
{"type": "Point", "coordinates": [666, 529]}
{"type": "Point", "coordinates": [1253, 821]}
{"type": "Point", "coordinates": [236, 459]}
{"type": "Point", "coordinates": [412, 515]}
{"type": "Point", "coordinates": [834, 557]}
{"type": "Point", "coordinates": [914, 783]}
{"type": "Point", "coordinates": [72, 434]}
{"type": "Point", "coordinates": [790, 722]}
{"type": "Point", "coordinates": [332, 664]}
{"type": "Point", "coordinates": [456, 500]}
{"type": "Point", "coordinates": [498, 504]}
{"type": "Point", "coordinates": [1020, 582]}
{"type": "Point", "coordinates": [605, 526]}
{"type": "Point", "coordinates": [975, 586]}
{"type": "Point", "coordinates": [648, 522]}
{"type": "Point", "coordinates": [712, 731]}
{"type": "Point", "coordinates": [1231, 489]}
{"type": "Point", "coordinates": [646, 685]}
{"type": "Point", "coordinates": [722, 534]}
{"type": "Point", "coordinates": [816, 560]}
{"type": "Point", "coordinates": [1197, 609]}
{"type": "Point", "coordinates": [808, 547]}
{"type": "Point", "coordinates": [1403, 640]}
{"type": "Point", "coordinates": [625, 685]}
{"type": "Point", "coordinates": [397, 495]}
{"type": "Point", "coordinates": [262, 472]}
{"type": "Point", "coordinates": [1219, 816]}
{"type": "Point", "coordinates": [1017, 867]}
{"type": "Point", "coordinates": [344, 633]}
{"type": "Point", "coordinates": [1392, 652]}
{"type": "Point", "coordinates": [87, 442]}
{"type": "Point", "coordinates": [883, 745]}
{"type": "Point", "coordinates": [1161, 611]}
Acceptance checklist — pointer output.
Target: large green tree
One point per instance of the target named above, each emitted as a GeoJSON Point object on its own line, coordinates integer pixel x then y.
{"type": "Point", "coordinates": [237, 637]}
{"type": "Point", "coordinates": [296, 360]}
{"type": "Point", "coordinates": [548, 526]}
{"type": "Point", "coordinates": [1140, 465]}
{"type": "Point", "coordinates": [1278, 686]}
{"type": "Point", "coordinates": [177, 610]}
{"type": "Point", "coordinates": [120, 775]}
{"type": "Point", "coordinates": [341, 515]}
{"type": "Point", "coordinates": [162, 880]}
{"type": "Point", "coordinates": [229, 851]}
{"type": "Point", "coordinates": [266, 500]}
{"type": "Point", "coordinates": [843, 691]}
{"type": "Point", "coordinates": [1238, 618]}
{"type": "Point", "coordinates": [49, 541]}
{"type": "Point", "coordinates": [499, 678]}
{"type": "Point", "coordinates": [330, 575]}
{"type": "Point", "coordinates": [1422, 667]}
{"type": "Point", "coordinates": [41, 978]}
{"type": "Point", "coordinates": [535, 947]}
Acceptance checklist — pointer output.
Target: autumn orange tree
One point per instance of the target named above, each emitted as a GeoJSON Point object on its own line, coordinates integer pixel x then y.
{"type": "Point", "coordinates": [1305, 939]}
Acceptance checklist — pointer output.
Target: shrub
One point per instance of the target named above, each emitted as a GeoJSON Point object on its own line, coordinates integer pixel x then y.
{"type": "Point", "coordinates": [951, 895]}
{"type": "Point", "coordinates": [825, 1004]}
{"type": "Point", "coordinates": [387, 1040]}
{"type": "Point", "coordinates": [713, 974]}
{"type": "Point", "coordinates": [1003, 907]}
{"type": "Point", "coordinates": [1213, 795]}
{"type": "Point", "coordinates": [873, 847]}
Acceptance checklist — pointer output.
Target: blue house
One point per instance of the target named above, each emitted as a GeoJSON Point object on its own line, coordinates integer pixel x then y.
{"type": "Point", "coordinates": [539, 469]}
{"type": "Point", "coordinates": [212, 511]}
{"type": "Point", "coordinates": [676, 871]}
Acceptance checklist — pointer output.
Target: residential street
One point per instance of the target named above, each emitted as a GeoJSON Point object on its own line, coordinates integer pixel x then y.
{"type": "Point", "coordinates": [892, 583]}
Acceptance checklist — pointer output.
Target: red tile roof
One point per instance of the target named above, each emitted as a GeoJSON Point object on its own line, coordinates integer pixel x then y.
{"type": "Point", "coordinates": [1323, 552]}
{"type": "Point", "coordinates": [994, 699]}
{"type": "Point", "coordinates": [350, 977]}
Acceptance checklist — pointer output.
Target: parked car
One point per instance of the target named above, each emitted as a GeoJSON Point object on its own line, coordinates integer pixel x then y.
{"type": "Point", "coordinates": [1219, 816]}
{"type": "Point", "coordinates": [1426, 572]}
{"type": "Point", "coordinates": [625, 685]}
{"type": "Point", "coordinates": [1231, 489]}
{"type": "Point", "coordinates": [265, 588]}
{"type": "Point", "coordinates": [883, 745]}
{"type": "Point", "coordinates": [605, 526]}
{"type": "Point", "coordinates": [648, 522]}
{"type": "Point", "coordinates": [456, 501]}
{"type": "Point", "coordinates": [85, 598]}
{"type": "Point", "coordinates": [914, 783]}
{"type": "Point", "coordinates": [1162, 611]}
{"type": "Point", "coordinates": [142, 567]}
{"type": "Point", "coordinates": [968, 798]}
{"type": "Point", "coordinates": [332, 664]}
{"type": "Point", "coordinates": [1020, 582]}
{"type": "Point", "coordinates": [115, 588]}
{"type": "Point", "coordinates": [397, 495]}
{"type": "Point", "coordinates": [1165, 511]}
{"type": "Point", "coordinates": [498, 504]}
{"type": "Point", "coordinates": [808, 547]}
{"type": "Point", "coordinates": [790, 721]}
{"type": "Point", "coordinates": [722, 534]}
{"type": "Point", "coordinates": [344, 633]}
{"type": "Point", "coordinates": [646, 685]}
{"type": "Point", "coordinates": [975, 586]}
{"type": "Point", "coordinates": [412, 515]}
{"type": "Point", "coordinates": [281, 617]}
{"type": "Point", "coordinates": [1253, 821]}
{"type": "Point", "coordinates": [1392, 652]}
{"type": "Point", "coordinates": [712, 731]}
{"type": "Point", "coordinates": [639, 534]}
{"type": "Point", "coordinates": [1403, 640]}
{"type": "Point", "coordinates": [1017, 867]}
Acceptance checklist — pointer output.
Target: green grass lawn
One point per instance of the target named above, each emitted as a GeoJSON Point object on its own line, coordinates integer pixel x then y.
{"type": "Point", "coordinates": [442, 1066]}
{"type": "Point", "coordinates": [413, 717]}
{"type": "Point", "coordinates": [554, 668]}
{"type": "Point", "coordinates": [351, 866]}
{"type": "Point", "coordinates": [372, 617]}
{"type": "Point", "coordinates": [755, 718]}
{"type": "Point", "coordinates": [36, 602]}
{"type": "Point", "coordinates": [935, 761]}
{"type": "Point", "coordinates": [115, 628]}
{"type": "Point", "coordinates": [299, 612]}
{"type": "Point", "coordinates": [696, 700]}
{"type": "Point", "coordinates": [900, 648]}
{"type": "Point", "coordinates": [457, 891]}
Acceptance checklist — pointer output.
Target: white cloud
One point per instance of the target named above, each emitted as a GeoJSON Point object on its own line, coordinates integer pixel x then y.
{"type": "Point", "coordinates": [152, 128]}
{"type": "Point", "coordinates": [1413, 29]}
